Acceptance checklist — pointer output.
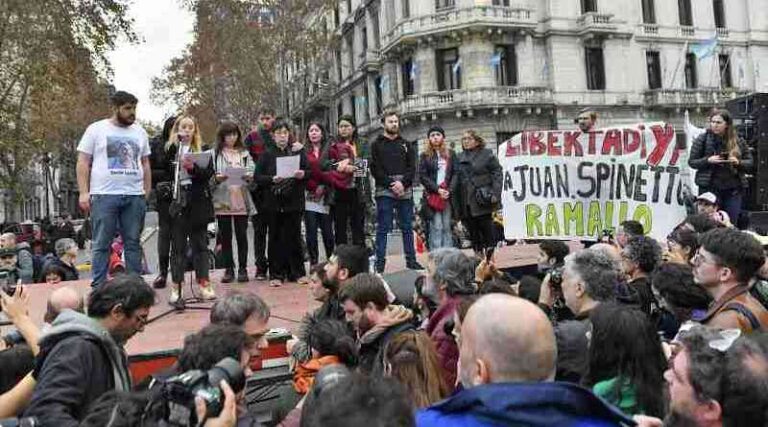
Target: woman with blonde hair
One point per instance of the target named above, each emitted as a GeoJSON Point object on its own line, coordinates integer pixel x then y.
{"type": "Point", "coordinates": [191, 209]}
{"type": "Point", "coordinates": [436, 166]}
{"type": "Point", "coordinates": [410, 358]}
{"type": "Point", "coordinates": [721, 160]}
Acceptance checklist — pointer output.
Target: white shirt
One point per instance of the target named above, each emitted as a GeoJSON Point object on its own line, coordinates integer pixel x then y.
{"type": "Point", "coordinates": [442, 168]}
{"type": "Point", "coordinates": [116, 154]}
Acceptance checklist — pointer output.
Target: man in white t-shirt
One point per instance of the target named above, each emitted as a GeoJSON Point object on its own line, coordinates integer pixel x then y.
{"type": "Point", "coordinates": [114, 177]}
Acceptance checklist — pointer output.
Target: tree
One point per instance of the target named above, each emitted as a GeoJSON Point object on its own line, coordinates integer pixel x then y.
{"type": "Point", "coordinates": [52, 78]}
{"type": "Point", "coordinates": [232, 66]}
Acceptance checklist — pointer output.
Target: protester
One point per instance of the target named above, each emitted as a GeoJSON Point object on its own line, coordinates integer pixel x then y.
{"type": "Point", "coordinates": [700, 223]}
{"type": "Point", "coordinates": [9, 267]}
{"type": "Point", "coordinates": [346, 262]}
{"type": "Point", "coordinates": [66, 260]}
{"type": "Point", "coordinates": [249, 312]}
{"type": "Point", "coordinates": [366, 306]}
{"type": "Point", "coordinates": [316, 209]}
{"type": "Point", "coordinates": [449, 278]}
{"type": "Point", "coordinates": [721, 159]}
{"type": "Point", "coordinates": [550, 262]}
{"type": "Point", "coordinates": [513, 390]}
{"type": "Point", "coordinates": [411, 358]}
{"type": "Point", "coordinates": [53, 274]}
{"type": "Point", "coordinates": [23, 259]}
{"type": "Point", "coordinates": [589, 278]}
{"type": "Point", "coordinates": [191, 210]}
{"type": "Point", "coordinates": [349, 181]}
{"type": "Point", "coordinates": [680, 298]}
{"type": "Point", "coordinates": [640, 256]}
{"type": "Point", "coordinates": [283, 199]}
{"type": "Point", "coordinates": [436, 168]}
{"type": "Point", "coordinates": [393, 165]}
{"type": "Point", "coordinates": [162, 182]}
{"type": "Point", "coordinates": [77, 343]}
{"type": "Point", "coordinates": [231, 199]}
{"type": "Point", "coordinates": [114, 192]}
{"type": "Point", "coordinates": [724, 265]}
{"type": "Point", "coordinates": [476, 190]}
{"type": "Point", "coordinates": [626, 362]}
{"type": "Point", "coordinates": [259, 141]}
{"type": "Point", "coordinates": [682, 245]}
{"type": "Point", "coordinates": [707, 204]}
{"type": "Point", "coordinates": [586, 119]}
{"type": "Point", "coordinates": [628, 230]}
{"type": "Point", "coordinates": [330, 342]}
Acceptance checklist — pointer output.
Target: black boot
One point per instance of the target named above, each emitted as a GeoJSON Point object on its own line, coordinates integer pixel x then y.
{"type": "Point", "coordinates": [229, 275]}
{"type": "Point", "coordinates": [242, 275]}
{"type": "Point", "coordinates": [160, 281]}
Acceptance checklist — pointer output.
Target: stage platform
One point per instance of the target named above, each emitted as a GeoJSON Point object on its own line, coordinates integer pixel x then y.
{"type": "Point", "coordinates": [161, 339]}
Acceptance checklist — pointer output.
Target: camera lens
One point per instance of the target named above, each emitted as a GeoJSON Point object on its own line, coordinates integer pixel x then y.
{"type": "Point", "coordinates": [227, 369]}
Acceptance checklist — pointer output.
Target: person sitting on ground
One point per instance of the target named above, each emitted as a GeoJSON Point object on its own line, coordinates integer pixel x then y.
{"type": "Point", "coordinates": [354, 400]}
{"type": "Point", "coordinates": [707, 204]}
{"type": "Point", "coordinates": [247, 311]}
{"type": "Point", "coordinates": [725, 264]}
{"type": "Point", "coordinates": [626, 362]}
{"type": "Point", "coordinates": [639, 258]}
{"type": "Point", "coordinates": [450, 276]}
{"type": "Point", "coordinates": [680, 298]}
{"type": "Point", "coordinates": [412, 359]}
{"type": "Point", "coordinates": [330, 342]}
{"type": "Point", "coordinates": [24, 259]}
{"type": "Point", "coordinates": [66, 259]}
{"type": "Point", "coordinates": [682, 244]}
{"type": "Point", "coordinates": [503, 390]}
{"type": "Point", "coordinates": [366, 306]}
{"type": "Point", "coordinates": [589, 278]}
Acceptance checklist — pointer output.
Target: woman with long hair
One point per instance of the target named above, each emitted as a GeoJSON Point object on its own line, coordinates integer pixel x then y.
{"type": "Point", "coordinates": [162, 181]}
{"type": "Point", "coordinates": [284, 206]}
{"type": "Point", "coordinates": [721, 160]}
{"type": "Point", "coordinates": [626, 362]}
{"type": "Point", "coordinates": [682, 244]}
{"type": "Point", "coordinates": [316, 210]}
{"type": "Point", "coordinates": [436, 166]}
{"type": "Point", "coordinates": [348, 176]}
{"type": "Point", "coordinates": [476, 190]}
{"type": "Point", "coordinates": [232, 199]}
{"type": "Point", "coordinates": [410, 358]}
{"type": "Point", "coordinates": [192, 208]}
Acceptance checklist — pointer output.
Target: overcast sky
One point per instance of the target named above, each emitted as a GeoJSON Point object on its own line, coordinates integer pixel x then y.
{"type": "Point", "coordinates": [165, 28]}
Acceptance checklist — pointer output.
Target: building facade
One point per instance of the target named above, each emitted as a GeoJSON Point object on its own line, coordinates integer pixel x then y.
{"type": "Point", "coordinates": [500, 66]}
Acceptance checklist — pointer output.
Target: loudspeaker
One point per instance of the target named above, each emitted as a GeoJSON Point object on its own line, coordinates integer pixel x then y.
{"type": "Point", "coordinates": [750, 117]}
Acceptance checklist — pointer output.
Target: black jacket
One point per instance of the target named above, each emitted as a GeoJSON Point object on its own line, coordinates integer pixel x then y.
{"type": "Point", "coordinates": [390, 157]}
{"type": "Point", "coordinates": [162, 168]}
{"type": "Point", "coordinates": [70, 271]}
{"type": "Point", "coordinates": [707, 145]}
{"type": "Point", "coordinates": [474, 169]}
{"type": "Point", "coordinates": [198, 210]}
{"type": "Point", "coordinates": [428, 171]}
{"type": "Point", "coordinates": [371, 356]}
{"type": "Point", "coordinates": [291, 190]}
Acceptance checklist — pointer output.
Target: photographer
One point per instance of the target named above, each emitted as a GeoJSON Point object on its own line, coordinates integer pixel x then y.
{"type": "Point", "coordinates": [550, 263]}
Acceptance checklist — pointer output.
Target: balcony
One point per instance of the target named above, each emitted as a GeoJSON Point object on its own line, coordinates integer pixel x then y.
{"type": "Point", "coordinates": [650, 29]}
{"type": "Point", "coordinates": [489, 97]}
{"type": "Point", "coordinates": [595, 23]}
{"type": "Point", "coordinates": [687, 31]}
{"type": "Point", "coordinates": [690, 97]}
{"type": "Point", "coordinates": [722, 33]}
{"type": "Point", "coordinates": [515, 17]}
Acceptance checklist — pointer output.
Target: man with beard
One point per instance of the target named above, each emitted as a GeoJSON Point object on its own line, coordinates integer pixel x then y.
{"type": "Point", "coordinates": [586, 119]}
{"type": "Point", "coordinates": [393, 166]}
{"type": "Point", "coordinates": [366, 306]}
{"type": "Point", "coordinates": [115, 195]}
{"type": "Point", "coordinates": [716, 377]}
{"type": "Point", "coordinates": [500, 389]}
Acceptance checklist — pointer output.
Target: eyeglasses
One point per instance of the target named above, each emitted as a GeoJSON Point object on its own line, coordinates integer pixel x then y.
{"type": "Point", "coordinates": [699, 259]}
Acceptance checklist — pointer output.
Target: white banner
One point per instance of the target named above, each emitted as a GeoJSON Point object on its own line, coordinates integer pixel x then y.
{"type": "Point", "coordinates": [573, 185]}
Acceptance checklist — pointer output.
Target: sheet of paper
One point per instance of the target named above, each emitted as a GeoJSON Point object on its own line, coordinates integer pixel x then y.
{"type": "Point", "coordinates": [235, 176]}
{"type": "Point", "coordinates": [287, 166]}
{"type": "Point", "coordinates": [202, 160]}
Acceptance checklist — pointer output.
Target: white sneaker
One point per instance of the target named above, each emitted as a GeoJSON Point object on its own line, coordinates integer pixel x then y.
{"type": "Point", "coordinates": [175, 295]}
{"type": "Point", "coordinates": [207, 291]}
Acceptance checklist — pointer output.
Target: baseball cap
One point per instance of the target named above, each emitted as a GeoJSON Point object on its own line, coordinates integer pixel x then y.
{"type": "Point", "coordinates": [708, 197]}
{"type": "Point", "coordinates": [6, 252]}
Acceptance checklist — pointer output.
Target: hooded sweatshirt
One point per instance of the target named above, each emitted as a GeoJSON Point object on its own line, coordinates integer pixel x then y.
{"type": "Point", "coordinates": [79, 361]}
{"type": "Point", "coordinates": [395, 319]}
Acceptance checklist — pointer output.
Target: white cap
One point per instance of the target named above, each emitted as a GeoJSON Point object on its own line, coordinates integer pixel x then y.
{"type": "Point", "coordinates": [708, 197]}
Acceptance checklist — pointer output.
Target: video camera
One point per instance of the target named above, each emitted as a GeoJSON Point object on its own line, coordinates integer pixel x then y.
{"type": "Point", "coordinates": [8, 280]}
{"type": "Point", "coordinates": [173, 400]}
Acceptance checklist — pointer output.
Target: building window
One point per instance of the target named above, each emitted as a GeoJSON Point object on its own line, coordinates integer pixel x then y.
{"type": "Point", "coordinates": [448, 69]}
{"type": "Point", "coordinates": [502, 137]}
{"type": "Point", "coordinates": [379, 96]}
{"type": "Point", "coordinates": [339, 67]}
{"type": "Point", "coordinates": [364, 38]}
{"type": "Point", "coordinates": [725, 70]}
{"type": "Point", "coordinates": [409, 77]}
{"type": "Point", "coordinates": [340, 109]}
{"type": "Point", "coordinates": [595, 68]}
{"type": "Point", "coordinates": [376, 30]}
{"type": "Point", "coordinates": [350, 53]}
{"type": "Point", "coordinates": [691, 82]}
{"type": "Point", "coordinates": [684, 10]}
{"type": "Point", "coordinates": [649, 12]}
{"type": "Point", "coordinates": [653, 67]}
{"type": "Point", "coordinates": [336, 17]}
{"type": "Point", "coordinates": [717, 5]}
{"type": "Point", "coordinates": [505, 65]}
{"type": "Point", "coordinates": [444, 4]}
{"type": "Point", "coordinates": [588, 6]}
{"type": "Point", "coordinates": [406, 9]}
{"type": "Point", "coordinates": [364, 104]}
{"type": "Point", "coordinates": [501, 3]}
{"type": "Point", "coordinates": [349, 7]}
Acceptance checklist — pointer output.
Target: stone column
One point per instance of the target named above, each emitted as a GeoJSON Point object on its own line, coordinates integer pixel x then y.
{"type": "Point", "coordinates": [476, 70]}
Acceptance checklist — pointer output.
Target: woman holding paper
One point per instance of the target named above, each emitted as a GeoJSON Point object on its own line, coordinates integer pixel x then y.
{"type": "Point", "coordinates": [232, 199]}
{"type": "Point", "coordinates": [191, 208]}
{"type": "Point", "coordinates": [315, 208]}
{"type": "Point", "coordinates": [283, 174]}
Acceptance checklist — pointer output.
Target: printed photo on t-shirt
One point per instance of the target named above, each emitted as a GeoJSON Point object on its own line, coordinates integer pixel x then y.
{"type": "Point", "coordinates": [122, 154]}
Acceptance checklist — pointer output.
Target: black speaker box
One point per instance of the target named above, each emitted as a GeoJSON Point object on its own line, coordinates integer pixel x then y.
{"type": "Point", "coordinates": [750, 116]}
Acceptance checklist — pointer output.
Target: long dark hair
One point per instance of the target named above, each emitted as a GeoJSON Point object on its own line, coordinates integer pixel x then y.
{"type": "Point", "coordinates": [229, 128]}
{"type": "Point", "coordinates": [625, 345]}
{"type": "Point", "coordinates": [167, 126]}
{"type": "Point", "coordinates": [730, 138]}
{"type": "Point", "coordinates": [323, 140]}
{"type": "Point", "coordinates": [351, 120]}
{"type": "Point", "coordinates": [332, 338]}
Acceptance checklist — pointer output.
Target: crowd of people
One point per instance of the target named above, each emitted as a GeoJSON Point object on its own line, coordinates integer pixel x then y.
{"type": "Point", "coordinates": [627, 331]}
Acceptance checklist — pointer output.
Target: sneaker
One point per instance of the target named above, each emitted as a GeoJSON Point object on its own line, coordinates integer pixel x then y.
{"type": "Point", "coordinates": [242, 275]}
{"type": "Point", "coordinates": [303, 280]}
{"type": "Point", "coordinates": [229, 276]}
{"type": "Point", "coordinates": [206, 290]}
{"type": "Point", "coordinates": [275, 283]}
{"type": "Point", "coordinates": [160, 281]}
{"type": "Point", "coordinates": [261, 274]}
{"type": "Point", "coordinates": [175, 296]}
{"type": "Point", "coordinates": [414, 265]}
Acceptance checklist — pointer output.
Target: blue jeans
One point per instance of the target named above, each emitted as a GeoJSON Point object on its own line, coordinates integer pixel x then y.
{"type": "Point", "coordinates": [440, 233]}
{"type": "Point", "coordinates": [313, 221]}
{"type": "Point", "coordinates": [110, 214]}
{"type": "Point", "coordinates": [384, 208]}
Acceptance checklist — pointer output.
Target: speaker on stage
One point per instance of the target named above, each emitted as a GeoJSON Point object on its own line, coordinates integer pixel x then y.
{"type": "Point", "coordinates": [750, 117]}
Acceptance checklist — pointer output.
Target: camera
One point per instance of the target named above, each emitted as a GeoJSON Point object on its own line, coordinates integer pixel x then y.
{"type": "Point", "coordinates": [8, 280]}
{"type": "Point", "coordinates": [20, 422]}
{"type": "Point", "coordinates": [556, 279]}
{"type": "Point", "coordinates": [174, 398]}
